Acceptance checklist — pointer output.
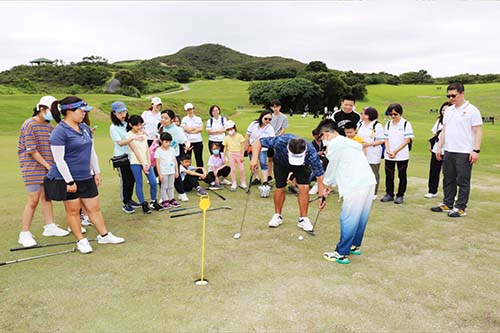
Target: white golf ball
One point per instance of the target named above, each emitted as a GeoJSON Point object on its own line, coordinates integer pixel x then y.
{"type": "Point", "coordinates": [301, 238]}
{"type": "Point", "coordinates": [237, 235]}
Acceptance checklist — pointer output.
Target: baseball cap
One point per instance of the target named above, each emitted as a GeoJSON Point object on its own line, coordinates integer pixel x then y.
{"type": "Point", "coordinates": [46, 101]}
{"type": "Point", "coordinates": [296, 159]}
{"type": "Point", "coordinates": [229, 124]}
{"type": "Point", "coordinates": [188, 106]}
{"type": "Point", "coordinates": [118, 107]}
{"type": "Point", "coordinates": [156, 100]}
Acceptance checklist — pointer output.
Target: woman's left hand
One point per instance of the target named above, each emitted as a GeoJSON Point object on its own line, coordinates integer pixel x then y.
{"type": "Point", "coordinates": [98, 179]}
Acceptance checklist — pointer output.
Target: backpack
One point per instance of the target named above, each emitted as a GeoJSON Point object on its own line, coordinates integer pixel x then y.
{"type": "Point", "coordinates": [404, 129]}
{"type": "Point", "coordinates": [373, 136]}
{"type": "Point", "coordinates": [212, 121]}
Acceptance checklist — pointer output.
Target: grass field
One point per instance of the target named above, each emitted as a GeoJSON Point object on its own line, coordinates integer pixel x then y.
{"type": "Point", "coordinates": [420, 271]}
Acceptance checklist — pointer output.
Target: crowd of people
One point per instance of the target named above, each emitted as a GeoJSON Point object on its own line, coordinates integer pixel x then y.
{"type": "Point", "coordinates": [60, 164]}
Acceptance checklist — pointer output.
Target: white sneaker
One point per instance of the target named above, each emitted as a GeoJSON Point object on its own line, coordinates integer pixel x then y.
{"type": "Point", "coordinates": [305, 224]}
{"type": "Point", "coordinates": [225, 182]}
{"type": "Point", "coordinates": [314, 189]}
{"type": "Point", "coordinates": [83, 246]}
{"type": "Point", "coordinates": [183, 197]}
{"type": "Point", "coordinates": [430, 195]}
{"type": "Point", "coordinates": [83, 230]}
{"type": "Point", "coordinates": [84, 219]}
{"type": "Point", "coordinates": [53, 230]}
{"type": "Point", "coordinates": [26, 239]}
{"type": "Point", "coordinates": [109, 239]}
{"type": "Point", "coordinates": [275, 221]}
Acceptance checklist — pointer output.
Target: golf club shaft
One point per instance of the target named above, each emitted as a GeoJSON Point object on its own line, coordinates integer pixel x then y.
{"type": "Point", "coordinates": [44, 245]}
{"type": "Point", "coordinates": [219, 195]}
{"type": "Point", "coordinates": [322, 199]}
{"type": "Point", "coordinates": [200, 211]}
{"type": "Point", "coordinates": [246, 204]}
{"type": "Point", "coordinates": [173, 210]}
{"type": "Point", "coordinates": [36, 257]}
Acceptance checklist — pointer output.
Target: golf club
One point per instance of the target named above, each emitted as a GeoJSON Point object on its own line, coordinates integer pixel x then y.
{"type": "Point", "coordinates": [219, 195]}
{"type": "Point", "coordinates": [238, 234]}
{"type": "Point", "coordinates": [200, 211]}
{"type": "Point", "coordinates": [317, 216]}
{"type": "Point", "coordinates": [3, 263]}
{"type": "Point", "coordinates": [44, 245]}
{"type": "Point", "coordinates": [178, 209]}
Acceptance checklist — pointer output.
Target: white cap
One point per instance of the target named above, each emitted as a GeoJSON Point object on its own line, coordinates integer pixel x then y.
{"type": "Point", "coordinates": [46, 101]}
{"type": "Point", "coordinates": [296, 159]}
{"type": "Point", "coordinates": [188, 106]}
{"type": "Point", "coordinates": [156, 100]}
{"type": "Point", "coordinates": [229, 124]}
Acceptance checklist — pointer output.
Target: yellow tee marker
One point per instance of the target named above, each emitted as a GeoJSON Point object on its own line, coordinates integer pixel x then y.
{"type": "Point", "coordinates": [204, 205]}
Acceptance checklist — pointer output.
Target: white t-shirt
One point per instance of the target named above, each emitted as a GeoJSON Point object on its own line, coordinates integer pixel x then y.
{"type": "Point", "coordinates": [437, 127]}
{"type": "Point", "coordinates": [167, 160]}
{"type": "Point", "coordinates": [365, 131]}
{"type": "Point", "coordinates": [257, 132]}
{"type": "Point", "coordinates": [458, 122]}
{"type": "Point", "coordinates": [190, 122]}
{"type": "Point", "coordinates": [279, 122]}
{"type": "Point", "coordinates": [216, 124]}
{"type": "Point", "coordinates": [151, 121]}
{"type": "Point", "coordinates": [396, 135]}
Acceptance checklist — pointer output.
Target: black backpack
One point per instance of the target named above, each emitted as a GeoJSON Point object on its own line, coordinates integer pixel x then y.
{"type": "Point", "coordinates": [212, 121]}
{"type": "Point", "coordinates": [404, 128]}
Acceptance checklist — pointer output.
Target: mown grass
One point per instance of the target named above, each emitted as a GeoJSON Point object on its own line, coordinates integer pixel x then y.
{"type": "Point", "coordinates": [420, 271]}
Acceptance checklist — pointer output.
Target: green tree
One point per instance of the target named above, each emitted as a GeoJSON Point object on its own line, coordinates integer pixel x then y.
{"type": "Point", "coordinates": [316, 66]}
{"type": "Point", "coordinates": [332, 86]}
{"type": "Point", "coordinates": [416, 77]}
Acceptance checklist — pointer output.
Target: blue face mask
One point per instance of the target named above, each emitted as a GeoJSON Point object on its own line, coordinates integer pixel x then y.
{"type": "Point", "coordinates": [215, 151]}
{"type": "Point", "coordinates": [48, 116]}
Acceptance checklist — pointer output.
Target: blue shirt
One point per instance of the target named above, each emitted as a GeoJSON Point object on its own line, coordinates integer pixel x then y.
{"type": "Point", "coordinates": [118, 133]}
{"type": "Point", "coordinates": [77, 150]}
{"type": "Point", "coordinates": [280, 146]}
{"type": "Point", "coordinates": [178, 137]}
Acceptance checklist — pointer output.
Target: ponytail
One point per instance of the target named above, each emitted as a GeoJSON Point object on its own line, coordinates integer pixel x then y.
{"type": "Point", "coordinates": [54, 109]}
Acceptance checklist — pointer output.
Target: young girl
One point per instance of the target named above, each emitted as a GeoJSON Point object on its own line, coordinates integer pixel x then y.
{"type": "Point", "coordinates": [140, 161]}
{"type": "Point", "coordinates": [166, 163]}
{"type": "Point", "coordinates": [235, 148]}
{"type": "Point", "coordinates": [217, 167]}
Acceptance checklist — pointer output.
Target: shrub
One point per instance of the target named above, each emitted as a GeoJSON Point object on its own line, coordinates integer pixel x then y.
{"type": "Point", "coordinates": [130, 91]}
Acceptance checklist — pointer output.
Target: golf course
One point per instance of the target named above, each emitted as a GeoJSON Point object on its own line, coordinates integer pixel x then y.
{"type": "Point", "coordinates": [420, 271]}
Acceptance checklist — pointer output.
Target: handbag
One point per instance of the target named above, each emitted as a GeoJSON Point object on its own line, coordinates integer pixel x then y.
{"type": "Point", "coordinates": [120, 161]}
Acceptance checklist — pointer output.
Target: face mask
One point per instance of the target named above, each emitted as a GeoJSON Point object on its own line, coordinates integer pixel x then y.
{"type": "Point", "coordinates": [230, 132]}
{"type": "Point", "coordinates": [215, 151]}
{"type": "Point", "coordinates": [48, 116]}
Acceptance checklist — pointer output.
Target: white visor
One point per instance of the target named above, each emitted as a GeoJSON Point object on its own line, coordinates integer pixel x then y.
{"type": "Point", "coordinates": [296, 159]}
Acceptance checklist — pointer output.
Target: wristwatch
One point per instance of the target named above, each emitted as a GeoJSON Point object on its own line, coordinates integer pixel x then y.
{"type": "Point", "coordinates": [477, 151]}
{"type": "Point", "coordinates": [71, 183]}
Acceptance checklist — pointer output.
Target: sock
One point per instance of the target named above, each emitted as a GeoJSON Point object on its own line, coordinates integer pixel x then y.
{"type": "Point", "coordinates": [104, 235]}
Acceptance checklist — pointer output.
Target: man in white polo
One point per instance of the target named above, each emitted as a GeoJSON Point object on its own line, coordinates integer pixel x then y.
{"type": "Point", "coordinates": [460, 140]}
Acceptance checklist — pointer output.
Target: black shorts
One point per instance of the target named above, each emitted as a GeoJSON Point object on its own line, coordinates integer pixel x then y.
{"type": "Point", "coordinates": [270, 153]}
{"type": "Point", "coordinates": [302, 174]}
{"type": "Point", "coordinates": [56, 189]}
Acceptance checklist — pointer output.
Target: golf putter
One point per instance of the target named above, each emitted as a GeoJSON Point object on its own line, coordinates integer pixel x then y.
{"type": "Point", "coordinates": [238, 234]}
{"type": "Point", "coordinates": [3, 263]}
{"type": "Point", "coordinates": [199, 211]}
{"type": "Point", "coordinates": [322, 198]}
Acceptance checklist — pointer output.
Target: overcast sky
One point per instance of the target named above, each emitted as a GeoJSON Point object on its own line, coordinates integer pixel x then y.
{"type": "Point", "coordinates": [443, 37]}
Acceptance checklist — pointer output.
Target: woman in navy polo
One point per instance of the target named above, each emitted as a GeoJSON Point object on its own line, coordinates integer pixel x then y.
{"type": "Point", "coordinates": [75, 175]}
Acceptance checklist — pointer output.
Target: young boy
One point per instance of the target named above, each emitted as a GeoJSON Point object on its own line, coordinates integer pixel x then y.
{"type": "Point", "coordinates": [190, 175]}
{"type": "Point", "coordinates": [351, 132]}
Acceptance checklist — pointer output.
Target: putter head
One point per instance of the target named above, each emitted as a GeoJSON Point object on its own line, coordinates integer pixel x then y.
{"type": "Point", "coordinates": [237, 235]}
{"type": "Point", "coordinates": [311, 233]}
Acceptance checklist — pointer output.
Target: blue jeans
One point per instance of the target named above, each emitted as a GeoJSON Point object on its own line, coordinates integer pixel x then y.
{"type": "Point", "coordinates": [354, 214]}
{"type": "Point", "coordinates": [153, 185]}
{"type": "Point", "coordinates": [262, 160]}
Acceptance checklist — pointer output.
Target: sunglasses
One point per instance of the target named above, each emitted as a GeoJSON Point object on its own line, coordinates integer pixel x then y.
{"type": "Point", "coordinates": [451, 95]}
{"type": "Point", "coordinates": [393, 114]}
{"type": "Point", "coordinates": [267, 119]}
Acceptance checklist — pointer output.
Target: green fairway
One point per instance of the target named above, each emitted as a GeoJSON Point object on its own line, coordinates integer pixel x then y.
{"type": "Point", "coordinates": [420, 271]}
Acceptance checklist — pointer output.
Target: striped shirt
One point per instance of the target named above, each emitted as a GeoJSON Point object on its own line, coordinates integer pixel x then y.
{"type": "Point", "coordinates": [34, 137]}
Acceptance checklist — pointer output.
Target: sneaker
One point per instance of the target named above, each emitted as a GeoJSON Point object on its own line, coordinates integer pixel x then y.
{"type": "Point", "coordinates": [256, 181]}
{"type": "Point", "coordinates": [305, 224]}
{"type": "Point", "coordinates": [374, 197]}
{"type": "Point", "coordinates": [84, 220]}
{"type": "Point", "coordinates": [270, 179]}
{"type": "Point", "coordinates": [166, 204]}
{"type": "Point", "coordinates": [233, 188]}
{"type": "Point", "coordinates": [275, 221]}
{"type": "Point", "coordinates": [83, 246]}
{"type": "Point", "coordinates": [292, 189]}
{"type": "Point", "coordinates": [224, 181]}
{"type": "Point", "coordinates": [156, 206]}
{"type": "Point", "coordinates": [109, 239]}
{"type": "Point", "coordinates": [83, 230]}
{"type": "Point", "coordinates": [243, 186]}
{"type": "Point", "coordinates": [387, 198]}
{"type": "Point", "coordinates": [173, 203]}
{"type": "Point", "coordinates": [314, 189]}
{"type": "Point", "coordinates": [430, 195]}
{"type": "Point", "coordinates": [145, 208]}
{"type": "Point", "coordinates": [457, 212]}
{"type": "Point", "coordinates": [216, 187]}
{"type": "Point", "coordinates": [127, 208]}
{"type": "Point", "coordinates": [399, 200]}
{"type": "Point", "coordinates": [201, 191]}
{"type": "Point", "coordinates": [356, 250]}
{"type": "Point", "coordinates": [183, 197]}
{"type": "Point", "coordinates": [53, 230]}
{"type": "Point", "coordinates": [26, 239]}
{"type": "Point", "coordinates": [134, 204]}
{"type": "Point", "coordinates": [336, 257]}
{"type": "Point", "coordinates": [441, 208]}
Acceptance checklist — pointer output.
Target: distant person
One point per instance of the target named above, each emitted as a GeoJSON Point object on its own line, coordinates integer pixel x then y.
{"type": "Point", "coordinates": [193, 126]}
{"type": "Point", "coordinates": [435, 165]}
{"type": "Point", "coordinates": [321, 150]}
{"type": "Point", "coordinates": [215, 128]}
{"type": "Point", "coordinates": [260, 128]}
{"type": "Point", "coordinates": [235, 151]}
{"type": "Point", "coordinates": [398, 135]}
{"type": "Point", "coordinates": [75, 176]}
{"type": "Point", "coordinates": [460, 140]}
{"type": "Point", "coordinates": [151, 119]}
{"type": "Point", "coordinates": [279, 122]}
{"type": "Point", "coordinates": [35, 160]}
{"type": "Point", "coordinates": [372, 132]}
{"type": "Point", "coordinates": [168, 170]}
{"type": "Point", "coordinates": [346, 114]}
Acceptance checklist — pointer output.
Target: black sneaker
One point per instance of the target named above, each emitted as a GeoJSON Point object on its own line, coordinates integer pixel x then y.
{"type": "Point", "coordinates": [442, 208]}
{"type": "Point", "coordinates": [156, 206]}
{"type": "Point", "coordinates": [270, 179]}
{"type": "Point", "coordinates": [134, 204]}
{"type": "Point", "coordinates": [127, 208]}
{"type": "Point", "coordinates": [145, 208]}
{"type": "Point", "coordinates": [387, 198]}
{"type": "Point", "coordinates": [256, 181]}
{"type": "Point", "coordinates": [399, 200]}
{"type": "Point", "coordinates": [292, 189]}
